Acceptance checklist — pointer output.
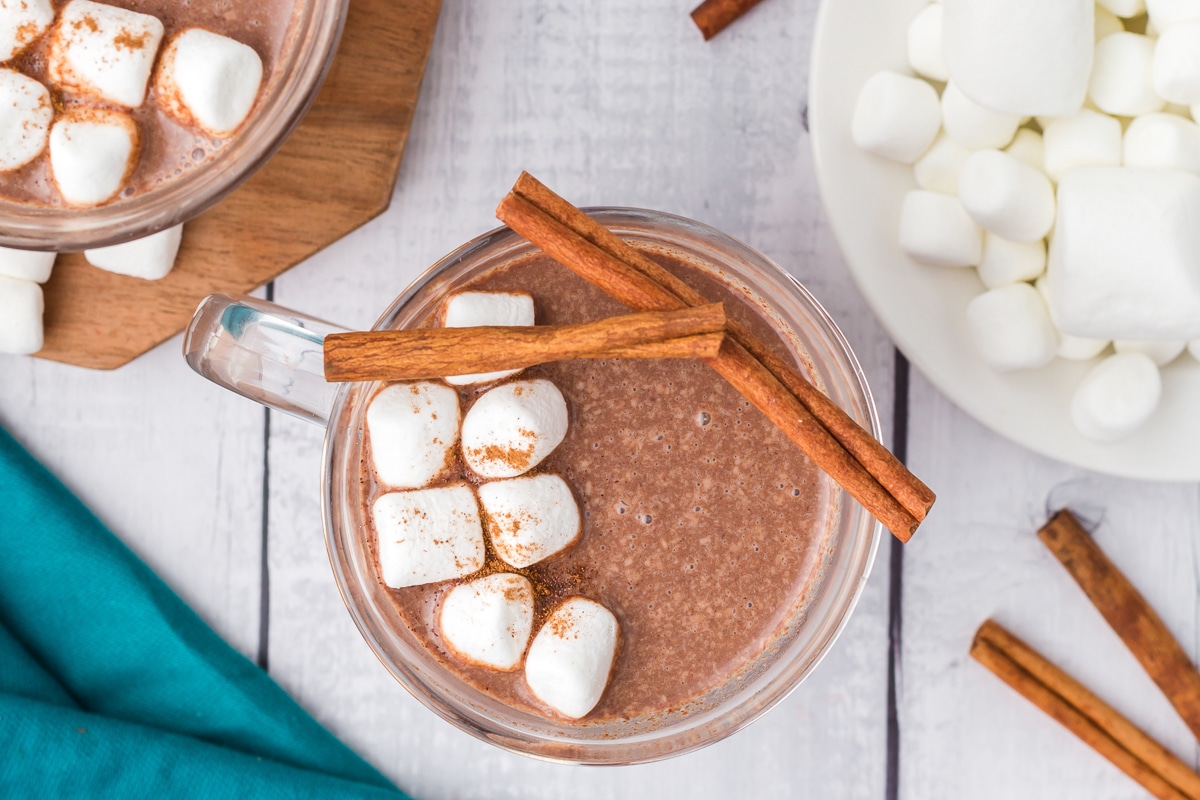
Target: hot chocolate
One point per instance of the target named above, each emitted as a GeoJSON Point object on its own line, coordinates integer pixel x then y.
{"type": "Point", "coordinates": [703, 527]}
{"type": "Point", "coordinates": [168, 143]}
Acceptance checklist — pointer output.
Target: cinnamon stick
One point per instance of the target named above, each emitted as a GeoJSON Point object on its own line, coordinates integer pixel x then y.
{"type": "Point", "coordinates": [915, 496]}
{"type": "Point", "coordinates": [436, 352]}
{"type": "Point", "coordinates": [1083, 713]}
{"type": "Point", "coordinates": [1130, 616]}
{"type": "Point", "coordinates": [714, 16]}
{"type": "Point", "coordinates": [849, 454]}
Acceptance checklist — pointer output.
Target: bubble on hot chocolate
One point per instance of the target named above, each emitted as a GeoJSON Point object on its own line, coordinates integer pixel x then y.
{"type": "Point", "coordinates": [487, 622]}
{"type": "Point", "coordinates": [209, 80]}
{"type": "Point", "coordinates": [413, 428]}
{"type": "Point", "coordinates": [103, 52]}
{"type": "Point", "coordinates": [512, 428]}
{"type": "Point", "coordinates": [529, 519]}
{"type": "Point", "coordinates": [569, 662]}
{"type": "Point", "coordinates": [428, 535]}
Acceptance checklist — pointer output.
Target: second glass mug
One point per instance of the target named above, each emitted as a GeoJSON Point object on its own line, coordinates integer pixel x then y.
{"type": "Point", "coordinates": [274, 356]}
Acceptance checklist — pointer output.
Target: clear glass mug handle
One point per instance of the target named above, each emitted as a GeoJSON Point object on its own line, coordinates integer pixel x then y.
{"type": "Point", "coordinates": [268, 353]}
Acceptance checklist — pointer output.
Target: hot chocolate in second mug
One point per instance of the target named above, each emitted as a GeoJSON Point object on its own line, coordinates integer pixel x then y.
{"type": "Point", "coordinates": [274, 356]}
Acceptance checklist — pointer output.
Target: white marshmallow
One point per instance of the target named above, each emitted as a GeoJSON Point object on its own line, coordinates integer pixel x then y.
{"type": "Point", "coordinates": [972, 125]}
{"type": "Point", "coordinates": [1161, 353]}
{"type": "Point", "coordinates": [1195, 111]}
{"type": "Point", "coordinates": [925, 44]}
{"type": "Point", "coordinates": [487, 622]}
{"type": "Point", "coordinates": [208, 80]}
{"type": "Point", "coordinates": [1176, 70]}
{"type": "Point", "coordinates": [1011, 328]}
{"type": "Point", "coordinates": [21, 308]}
{"type": "Point", "coordinates": [1121, 81]}
{"type": "Point", "coordinates": [936, 230]}
{"type": "Point", "coordinates": [22, 22]}
{"type": "Point", "coordinates": [27, 265]}
{"type": "Point", "coordinates": [428, 535]}
{"type": "Point", "coordinates": [1107, 23]}
{"type": "Point", "coordinates": [531, 518]}
{"type": "Point", "coordinates": [92, 152]}
{"type": "Point", "coordinates": [1193, 348]}
{"type": "Point", "coordinates": [1028, 148]}
{"type": "Point", "coordinates": [1116, 397]}
{"type": "Point", "coordinates": [25, 116]}
{"type": "Point", "coordinates": [1123, 8]}
{"type": "Point", "coordinates": [104, 52]}
{"type": "Point", "coordinates": [513, 427]}
{"type": "Point", "coordinates": [1006, 262]}
{"type": "Point", "coordinates": [571, 657]}
{"type": "Point", "coordinates": [896, 117]}
{"type": "Point", "coordinates": [1086, 139]}
{"type": "Point", "coordinates": [1163, 141]}
{"type": "Point", "coordinates": [470, 309]}
{"type": "Point", "coordinates": [1080, 348]}
{"type": "Point", "coordinates": [1006, 197]}
{"type": "Point", "coordinates": [938, 169]}
{"type": "Point", "coordinates": [413, 428]}
{"type": "Point", "coordinates": [1165, 13]}
{"type": "Point", "coordinates": [1023, 57]}
{"type": "Point", "coordinates": [1125, 257]}
{"type": "Point", "coordinates": [1075, 348]}
{"type": "Point", "coordinates": [149, 258]}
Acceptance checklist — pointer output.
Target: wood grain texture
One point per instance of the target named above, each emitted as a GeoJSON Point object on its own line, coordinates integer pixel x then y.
{"type": "Point", "coordinates": [610, 103]}
{"type": "Point", "coordinates": [979, 557]}
{"type": "Point", "coordinates": [335, 173]}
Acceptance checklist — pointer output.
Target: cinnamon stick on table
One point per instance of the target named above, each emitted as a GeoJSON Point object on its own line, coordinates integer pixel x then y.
{"type": "Point", "coordinates": [837, 444]}
{"type": "Point", "coordinates": [714, 16]}
{"type": "Point", "coordinates": [1139, 627]}
{"type": "Point", "coordinates": [1084, 714]}
{"type": "Point", "coordinates": [436, 352]}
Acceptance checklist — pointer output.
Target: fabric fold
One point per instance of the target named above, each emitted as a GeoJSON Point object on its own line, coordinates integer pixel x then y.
{"type": "Point", "coordinates": [93, 639]}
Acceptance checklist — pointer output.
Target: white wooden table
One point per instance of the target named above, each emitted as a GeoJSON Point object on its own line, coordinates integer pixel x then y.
{"type": "Point", "coordinates": [619, 102]}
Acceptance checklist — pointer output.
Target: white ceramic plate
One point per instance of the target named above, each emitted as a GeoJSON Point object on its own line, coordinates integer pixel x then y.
{"type": "Point", "coordinates": [923, 308]}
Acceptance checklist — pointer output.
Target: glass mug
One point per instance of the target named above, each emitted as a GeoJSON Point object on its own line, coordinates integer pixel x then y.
{"type": "Point", "coordinates": [287, 94]}
{"type": "Point", "coordinates": [274, 356]}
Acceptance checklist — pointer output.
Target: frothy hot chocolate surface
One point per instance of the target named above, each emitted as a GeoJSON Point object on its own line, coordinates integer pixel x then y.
{"type": "Point", "coordinates": [703, 526]}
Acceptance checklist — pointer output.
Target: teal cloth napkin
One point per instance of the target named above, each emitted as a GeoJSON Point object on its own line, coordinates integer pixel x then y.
{"type": "Point", "coordinates": [110, 686]}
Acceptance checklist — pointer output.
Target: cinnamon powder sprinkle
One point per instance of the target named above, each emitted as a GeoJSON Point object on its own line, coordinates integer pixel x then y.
{"type": "Point", "coordinates": [128, 41]}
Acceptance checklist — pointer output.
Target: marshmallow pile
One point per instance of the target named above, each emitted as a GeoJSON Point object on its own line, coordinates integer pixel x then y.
{"type": "Point", "coordinates": [1055, 150]}
{"type": "Point", "coordinates": [102, 60]}
{"type": "Point", "coordinates": [458, 482]}
{"type": "Point", "coordinates": [23, 271]}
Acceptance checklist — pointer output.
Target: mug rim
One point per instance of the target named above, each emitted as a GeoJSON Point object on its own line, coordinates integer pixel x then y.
{"type": "Point", "coordinates": [609, 751]}
{"type": "Point", "coordinates": [277, 115]}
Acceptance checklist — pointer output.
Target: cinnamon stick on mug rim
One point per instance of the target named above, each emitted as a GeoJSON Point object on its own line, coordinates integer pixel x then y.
{"type": "Point", "coordinates": [915, 496]}
{"type": "Point", "coordinates": [419, 353]}
{"type": "Point", "coordinates": [1128, 613]}
{"type": "Point", "coordinates": [714, 16]}
{"type": "Point", "coordinates": [837, 444]}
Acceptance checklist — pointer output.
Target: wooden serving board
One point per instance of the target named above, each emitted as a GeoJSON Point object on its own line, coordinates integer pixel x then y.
{"type": "Point", "coordinates": [335, 173]}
